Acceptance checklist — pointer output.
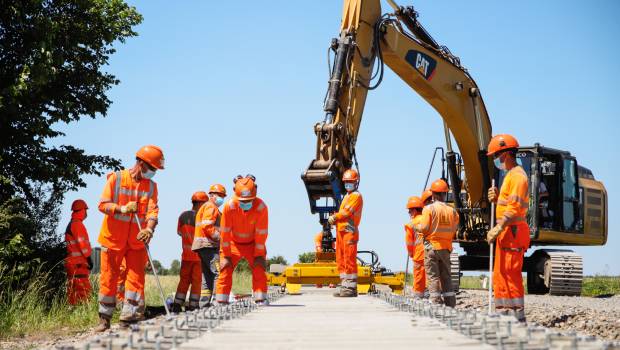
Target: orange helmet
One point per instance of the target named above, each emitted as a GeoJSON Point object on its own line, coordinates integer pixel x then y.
{"type": "Point", "coordinates": [200, 196]}
{"type": "Point", "coordinates": [439, 186]}
{"type": "Point", "coordinates": [152, 155]}
{"type": "Point", "coordinates": [78, 204]}
{"type": "Point", "coordinates": [351, 175]}
{"type": "Point", "coordinates": [217, 188]}
{"type": "Point", "coordinates": [414, 202]}
{"type": "Point", "coordinates": [426, 195]}
{"type": "Point", "coordinates": [245, 187]}
{"type": "Point", "coordinates": [501, 142]}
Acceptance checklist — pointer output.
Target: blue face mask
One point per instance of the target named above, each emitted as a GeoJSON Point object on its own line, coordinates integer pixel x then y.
{"type": "Point", "coordinates": [148, 173]}
{"type": "Point", "coordinates": [498, 164]}
{"type": "Point", "coordinates": [245, 205]}
{"type": "Point", "coordinates": [349, 186]}
{"type": "Point", "coordinates": [219, 201]}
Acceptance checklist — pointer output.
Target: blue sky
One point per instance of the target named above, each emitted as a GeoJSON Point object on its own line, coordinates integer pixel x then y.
{"type": "Point", "coordinates": [236, 87]}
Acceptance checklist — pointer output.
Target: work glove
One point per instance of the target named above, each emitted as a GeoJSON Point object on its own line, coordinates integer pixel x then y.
{"type": "Point", "coordinates": [145, 235]}
{"type": "Point", "coordinates": [225, 262]}
{"type": "Point", "coordinates": [331, 220]}
{"type": "Point", "coordinates": [129, 208]}
{"type": "Point", "coordinates": [90, 262]}
{"type": "Point", "coordinates": [259, 261]}
{"type": "Point", "coordinates": [493, 194]}
{"type": "Point", "coordinates": [494, 232]}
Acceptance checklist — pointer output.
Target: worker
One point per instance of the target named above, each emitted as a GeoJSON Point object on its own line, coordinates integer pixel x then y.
{"type": "Point", "coordinates": [415, 247]}
{"type": "Point", "coordinates": [438, 226]}
{"type": "Point", "coordinates": [427, 197]}
{"type": "Point", "coordinates": [207, 241]}
{"type": "Point", "coordinates": [347, 221]}
{"type": "Point", "coordinates": [318, 242]}
{"type": "Point", "coordinates": [78, 262]}
{"type": "Point", "coordinates": [191, 272]}
{"type": "Point", "coordinates": [511, 231]}
{"type": "Point", "coordinates": [128, 195]}
{"type": "Point", "coordinates": [244, 231]}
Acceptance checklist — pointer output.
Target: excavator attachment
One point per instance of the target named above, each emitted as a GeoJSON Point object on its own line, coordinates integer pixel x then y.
{"type": "Point", "coordinates": [324, 187]}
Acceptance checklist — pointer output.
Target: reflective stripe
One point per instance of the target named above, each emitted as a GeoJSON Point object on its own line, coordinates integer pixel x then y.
{"type": "Point", "coordinates": [104, 199]}
{"type": "Point", "coordinates": [516, 302]}
{"type": "Point", "coordinates": [351, 276]}
{"type": "Point", "coordinates": [342, 276]}
{"type": "Point", "coordinates": [71, 242]}
{"type": "Point", "coordinates": [225, 244]}
{"type": "Point", "coordinates": [85, 250]}
{"type": "Point", "coordinates": [501, 302]}
{"type": "Point", "coordinates": [129, 309]}
{"type": "Point", "coordinates": [225, 229]}
{"type": "Point", "coordinates": [131, 295]}
{"type": "Point", "coordinates": [514, 198]}
{"type": "Point", "coordinates": [349, 283]}
{"type": "Point", "coordinates": [117, 187]}
{"type": "Point", "coordinates": [261, 207]}
{"type": "Point", "coordinates": [106, 299]}
{"type": "Point", "coordinates": [106, 309]}
{"type": "Point", "coordinates": [75, 254]}
{"type": "Point", "coordinates": [418, 294]}
{"type": "Point", "coordinates": [262, 232]}
{"type": "Point", "coordinates": [517, 250]}
{"type": "Point", "coordinates": [206, 222]}
{"type": "Point", "coordinates": [258, 295]}
{"type": "Point", "coordinates": [127, 218]}
{"type": "Point", "coordinates": [435, 294]}
{"type": "Point", "coordinates": [135, 193]}
{"type": "Point", "coordinates": [260, 246]}
{"type": "Point", "coordinates": [205, 293]}
{"type": "Point", "coordinates": [448, 294]}
{"type": "Point", "coordinates": [242, 234]}
{"type": "Point", "coordinates": [195, 297]}
{"type": "Point", "coordinates": [179, 297]}
{"type": "Point", "coordinates": [221, 297]}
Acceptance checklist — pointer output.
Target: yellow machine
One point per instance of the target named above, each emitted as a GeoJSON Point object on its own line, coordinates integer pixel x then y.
{"type": "Point", "coordinates": [573, 210]}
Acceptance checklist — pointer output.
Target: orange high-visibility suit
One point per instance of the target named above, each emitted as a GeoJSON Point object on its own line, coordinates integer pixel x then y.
{"type": "Point", "coordinates": [512, 242]}
{"type": "Point", "coordinates": [118, 239]}
{"type": "Point", "coordinates": [318, 242]}
{"type": "Point", "coordinates": [438, 225]}
{"type": "Point", "coordinates": [415, 248]}
{"type": "Point", "coordinates": [191, 273]}
{"type": "Point", "coordinates": [348, 219]}
{"type": "Point", "coordinates": [243, 235]}
{"type": "Point", "coordinates": [76, 263]}
{"type": "Point", "coordinates": [207, 245]}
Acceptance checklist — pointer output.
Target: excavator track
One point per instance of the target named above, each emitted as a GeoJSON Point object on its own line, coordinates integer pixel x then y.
{"type": "Point", "coordinates": [564, 272]}
{"type": "Point", "coordinates": [455, 271]}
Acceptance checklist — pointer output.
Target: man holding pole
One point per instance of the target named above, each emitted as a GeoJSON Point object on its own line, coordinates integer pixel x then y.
{"type": "Point", "coordinates": [129, 202]}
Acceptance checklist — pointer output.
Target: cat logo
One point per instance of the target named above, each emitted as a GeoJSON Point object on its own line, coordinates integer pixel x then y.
{"type": "Point", "coordinates": [422, 63]}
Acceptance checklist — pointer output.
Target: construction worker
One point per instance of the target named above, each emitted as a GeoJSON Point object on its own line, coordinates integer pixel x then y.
{"type": "Point", "coordinates": [207, 241]}
{"type": "Point", "coordinates": [511, 230]}
{"type": "Point", "coordinates": [128, 196]}
{"type": "Point", "coordinates": [244, 231]}
{"type": "Point", "coordinates": [318, 242]}
{"type": "Point", "coordinates": [191, 272]}
{"type": "Point", "coordinates": [415, 246]}
{"type": "Point", "coordinates": [438, 225]}
{"type": "Point", "coordinates": [78, 262]}
{"type": "Point", "coordinates": [347, 220]}
{"type": "Point", "coordinates": [427, 197]}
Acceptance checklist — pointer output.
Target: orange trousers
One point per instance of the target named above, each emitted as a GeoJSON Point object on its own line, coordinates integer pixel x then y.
{"type": "Point", "coordinates": [419, 278]}
{"type": "Point", "coordinates": [224, 281]}
{"type": "Point", "coordinates": [111, 262]}
{"type": "Point", "coordinates": [191, 274]}
{"type": "Point", "coordinates": [346, 258]}
{"type": "Point", "coordinates": [78, 284]}
{"type": "Point", "coordinates": [507, 279]}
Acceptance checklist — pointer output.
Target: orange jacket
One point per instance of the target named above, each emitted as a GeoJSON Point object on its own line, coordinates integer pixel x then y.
{"type": "Point", "coordinates": [76, 236]}
{"type": "Point", "coordinates": [317, 242]}
{"type": "Point", "coordinates": [438, 225]}
{"type": "Point", "coordinates": [514, 197]}
{"type": "Point", "coordinates": [119, 230]}
{"type": "Point", "coordinates": [244, 227]}
{"type": "Point", "coordinates": [349, 215]}
{"type": "Point", "coordinates": [185, 229]}
{"type": "Point", "coordinates": [414, 240]}
{"type": "Point", "coordinates": [207, 232]}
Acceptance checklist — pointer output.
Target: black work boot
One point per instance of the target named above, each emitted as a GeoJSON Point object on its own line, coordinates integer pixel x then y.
{"type": "Point", "coordinates": [175, 307]}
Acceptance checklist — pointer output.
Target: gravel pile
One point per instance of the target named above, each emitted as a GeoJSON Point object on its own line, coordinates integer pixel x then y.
{"type": "Point", "coordinates": [592, 316]}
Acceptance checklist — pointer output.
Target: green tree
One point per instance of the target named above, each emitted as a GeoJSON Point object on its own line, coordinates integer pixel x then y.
{"type": "Point", "coordinates": [51, 57]}
{"type": "Point", "coordinates": [278, 259]}
{"type": "Point", "coordinates": [307, 257]}
{"type": "Point", "coordinates": [175, 267]}
{"type": "Point", "coordinates": [161, 271]}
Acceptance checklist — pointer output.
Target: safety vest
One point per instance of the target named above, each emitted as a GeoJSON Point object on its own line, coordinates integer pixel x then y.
{"type": "Point", "coordinates": [414, 240]}
{"type": "Point", "coordinates": [78, 245]}
{"type": "Point", "coordinates": [438, 224]}
{"type": "Point", "coordinates": [350, 213]}
{"type": "Point", "coordinates": [514, 198]}
{"type": "Point", "coordinates": [244, 227]}
{"type": "Point", "coordinates": [119, 230]}
{"type": "Point", "coordinates": [207, 231]}
{"type": "Point", "coordinates": [185, 229]}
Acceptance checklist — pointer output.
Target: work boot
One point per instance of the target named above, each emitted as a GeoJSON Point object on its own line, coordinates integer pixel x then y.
{"type": "Point", "coordinates": [104, 324]}
{"type": "Point", "coordinates": [175, 307]}
{"type": "Point", "coordinates": [264, 302]}
{"type": "Point", "coordinates": [347, 293]}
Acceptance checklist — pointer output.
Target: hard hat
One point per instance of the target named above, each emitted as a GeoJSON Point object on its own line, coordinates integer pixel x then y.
{"type": "Point", "coordinates": [414, 202]}
{"type": "Point", "coordinates": [217, 188]}
{"type": "Point", "coordinates": [426, 195]}
{"type": "Point", "coordinates": [350, 176]}
{"type": "Point", "coordinates": [78, 204]}
{"type": "Point", "coordinates": [502, 142]}
{"type": "Point", "coordinates": [245, 187]}
{"type": "Point", "coordinates": [439, 186]}
{"type": "Point", "coordinates": [200, 196]}
{"type": "Point", "coordinates": [152, 155]}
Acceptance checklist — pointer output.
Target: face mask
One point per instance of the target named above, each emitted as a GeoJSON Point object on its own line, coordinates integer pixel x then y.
{"type": "Point", "coordinates": [498, 164]}
{"type": "Point", "coordinates": [219, 201]}
{"type": "Point", "coordinates": [349, 186]}
{"type": "Point", "coordinates": [245, 205]}
{"type": "Point", "coordinates": [148, 174]}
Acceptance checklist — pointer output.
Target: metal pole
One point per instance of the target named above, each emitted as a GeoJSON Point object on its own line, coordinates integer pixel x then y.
{"type": "Point", "coordinates": [491, 255]}
{"type": "Point", "coordinates": [148, 253]}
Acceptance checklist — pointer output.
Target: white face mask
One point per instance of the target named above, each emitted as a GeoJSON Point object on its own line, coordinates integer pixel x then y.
{"type": "Point", "coordinates": [148, 173]}
{"type": "Point", "coordinates": [498, 164]}
{"type": "Point", "coordinates": [219, 201]}
{"type": "Point", "coordinates": [349, 186]}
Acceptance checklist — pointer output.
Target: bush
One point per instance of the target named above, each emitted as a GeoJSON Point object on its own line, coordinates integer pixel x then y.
{"type": "Point", "coordinates": [307, 257]}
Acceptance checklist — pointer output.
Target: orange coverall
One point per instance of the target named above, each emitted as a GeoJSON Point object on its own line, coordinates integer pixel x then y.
{"type": "Point", "coordinates": [415, 248]}
{"type": "Point", "coordinates": [118, 239]}
{"type": "Point", "coordinates": [348, 219]}
{"type": "Point", "coordinates": [243, 235]}
{"type": "Point", "coordinates": [76, 264]}
{"type": "Point", "coordinates": [512, 242]}
{"type": "Point", "coordinates": [207, 244]}
{"type": "Point", "coordinates": [191, 272]}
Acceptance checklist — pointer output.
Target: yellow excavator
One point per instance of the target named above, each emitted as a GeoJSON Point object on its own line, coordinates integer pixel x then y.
{"type": "Point", "coordinates": [568, 206]}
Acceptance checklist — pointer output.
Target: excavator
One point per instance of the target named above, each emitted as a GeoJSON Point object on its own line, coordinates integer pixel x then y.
{"type": "Point", "coordinates": [568, 206]}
